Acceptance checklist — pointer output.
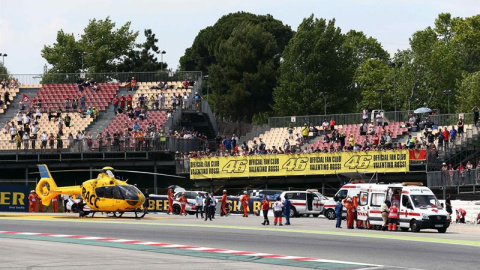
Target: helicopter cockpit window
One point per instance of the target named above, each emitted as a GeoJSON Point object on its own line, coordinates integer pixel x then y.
{"type": "Point", "coordinates": [117, 193]}
{"type": "Point", "coordinates": [129, 192]}
{"type": "Point", "coordinates": [104, 192]}
{"type": "Point", "coordinates": [110, 174]}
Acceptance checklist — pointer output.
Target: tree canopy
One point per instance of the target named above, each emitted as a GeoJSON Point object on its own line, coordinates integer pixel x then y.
{"type": "Point", "coordinates": [241, 54]}
{"type": "Point", "coordinates": [317, 64]}
{"type": "Point", "coordinates": [102, 48]}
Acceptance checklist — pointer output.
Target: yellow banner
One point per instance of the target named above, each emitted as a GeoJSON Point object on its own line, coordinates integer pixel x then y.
{"type": "Point", "coordinates": [299, 164]}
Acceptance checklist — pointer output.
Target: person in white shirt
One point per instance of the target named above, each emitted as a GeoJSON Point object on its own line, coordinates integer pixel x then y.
{"type": "Point", "coordinates": [13, 131]}
{"type": "Point", "coordinates": [38, 114]}
{"type": "Point", "coordinates": [26, 140]}
{"type": "Point", "coordinates": [65, 201]}
{"type": "Point", "coordinates": [277, 211]}
{"type": "Point", "coordinates": [199, 204]}
{"type": "Point", "coordinates": [365, 115]}
{"type": "Point", "coordinates": [43, 139]}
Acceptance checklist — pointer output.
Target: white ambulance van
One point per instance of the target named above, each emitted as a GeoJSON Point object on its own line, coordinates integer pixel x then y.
{"type": "Point", "coordinates": [348, 190]}
{"type": "Point", "coordinates": [418, 206]}
{"type": "Point", "coordinates": [305, 202]}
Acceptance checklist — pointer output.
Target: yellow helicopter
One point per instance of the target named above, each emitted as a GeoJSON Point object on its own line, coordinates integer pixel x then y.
{"type": "Point", "coordinates": [103, 194]}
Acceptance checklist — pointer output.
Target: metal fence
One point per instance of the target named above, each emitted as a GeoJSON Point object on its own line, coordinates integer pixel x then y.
{"type": "Point", "coordinates": [356, 118]}
{"type": "Point", "coordinates": [453, 178]}
{"type": "Point", "coordinates": [109, 77]}
{"type": "Point", "coordinates": [55, 145]}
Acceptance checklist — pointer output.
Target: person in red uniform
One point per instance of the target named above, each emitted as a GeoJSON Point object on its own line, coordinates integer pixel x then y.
{"type": "Point", "coordinates": [122, 102]}
{"type": "Point", "coordinates": [245, 199]}
{"type": "Point", "coordinates": [393, 217]}
{"type": "Point", "coordinates": [40, 205]}
{"type": "Point", "coordinates": [358, 223]}
{"type": "Point", "coordinates": [183, 203]}
{"type": "Point", "coordinates": [133, 84]}
{"type": "Point", "coordinates": [224, 203]}
{"type": "Point", "coordinates": [32, 202]}
{"type": "Point", "coordinates": [265, 208]}
{"type": "Point", "coordinates": [129, 100]}
{"type": "Point", "coordinates": [55, 204]}
{"type": "Point", "coordinates": [350, 212]}
{"type": "Point", "coordinates": [170, 201]}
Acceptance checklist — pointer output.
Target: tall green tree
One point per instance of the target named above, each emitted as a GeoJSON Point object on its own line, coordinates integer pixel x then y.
{"type": "Point", "coordinates": [101, 48]}
{"type": "Point", "coordinates": [469, 94]}
{"type": "Point", "coordinates": [145, 59]}
{"type": "Point", "coordinates": [241, 55]}
{"type": "Point", "coordinates": [245, 74]}
{"type": "Point", "coordinates": [316, 64]}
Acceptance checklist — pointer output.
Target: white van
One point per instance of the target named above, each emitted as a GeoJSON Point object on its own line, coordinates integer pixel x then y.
{"type": "Point", "coordinates": [348, 190]}
{"type": "Point", "coordinates": [305, 202]}
{"type": "Point", "coordinates": [418, 206]}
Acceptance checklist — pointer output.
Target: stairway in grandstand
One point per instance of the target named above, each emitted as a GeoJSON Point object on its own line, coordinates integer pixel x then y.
{"type": "Point", "coordinates": [465, 148]}
{"type": "Point", "coordinates": [12, 109]}
{"type": "Point", "coordinates": [106, 117]}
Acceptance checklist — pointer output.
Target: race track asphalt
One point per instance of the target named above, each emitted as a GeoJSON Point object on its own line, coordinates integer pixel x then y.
{"type": "Point", "coordinates": [307, 237]}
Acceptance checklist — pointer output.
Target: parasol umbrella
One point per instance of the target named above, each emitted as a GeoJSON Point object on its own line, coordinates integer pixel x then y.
{"type": "Point", "coordinates": [422, 110]}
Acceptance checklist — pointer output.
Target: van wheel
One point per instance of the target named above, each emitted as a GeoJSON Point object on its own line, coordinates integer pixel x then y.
{"type": "Point", "coordinates": [330, 214]}
{"type": "Point", "coordinates": [442, 230]}
{"type": "Point", "coordinates": [404, 229]}
{"type": "Point", "coordinates": [315, 215]}
{"type": "Point", "coordinates": [414, 226]}
{"type": "Point", "coordinates": [293, 212]}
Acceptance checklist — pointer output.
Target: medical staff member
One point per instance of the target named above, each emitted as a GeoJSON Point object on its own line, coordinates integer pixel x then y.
{"type": "Point", "coordinates": [265, 208]}
{"type": "Point", "coordinates": [65, 198]}
{"type": "Point", "coordinates": [170, 201]}
{"type": "Point", "coordinates": [277, 212]}
{"type": "Point", "coordinates": [183, 204]}
{"type": "Point", "coordinates": [350, 212]}
{"type": "Point", "coordinates": [286, 210]}
{"type": "Point", "coordinates": [32, 201]}
{"type": "Point", "coordinates": [393, 217]}
{"type": "Point", "coordinates": [245, 199]}
{"type": "Point", "coordinates": [338, 213]}
{"type": "Point", "coordinates": [224, 203]}
{"type": "Point", "coordinates": [55, 204]}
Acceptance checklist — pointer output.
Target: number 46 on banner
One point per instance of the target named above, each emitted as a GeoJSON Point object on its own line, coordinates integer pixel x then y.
{"type": "Point", "coordinates": [358, 162]}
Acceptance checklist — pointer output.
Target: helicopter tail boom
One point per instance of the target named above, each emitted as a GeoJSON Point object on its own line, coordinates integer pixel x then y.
{"type": "Point", "coordinates": [47, 188]}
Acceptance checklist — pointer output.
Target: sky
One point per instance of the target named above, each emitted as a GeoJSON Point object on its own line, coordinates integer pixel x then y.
{"type": "Point", "coordinates": [27, 25]}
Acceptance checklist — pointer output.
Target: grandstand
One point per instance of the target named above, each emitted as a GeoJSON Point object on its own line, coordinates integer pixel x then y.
{"type": "Point", "coordinates": [172, 88]}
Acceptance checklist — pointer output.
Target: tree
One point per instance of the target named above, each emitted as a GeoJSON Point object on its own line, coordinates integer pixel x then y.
{"type": "Point", "coordinates": [241, 55]}
{"type": "Point", "coordinates": [245, 73]}
{"type": "Point", "coordinates": [316, 62]}
{"type": "Point", "coordinates": [144, 60]}
{"type": "Point", "coordinates": [372, 76]}
{"type": "Point", "coordinates": [203, 51]}
{"type": "Point", "coordinates": [469, 93]}
{"type": "Point", "coordinates": [101, 48]}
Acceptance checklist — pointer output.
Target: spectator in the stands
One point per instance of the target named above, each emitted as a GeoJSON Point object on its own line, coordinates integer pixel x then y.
{"type": "Point", "coordinates": [453, 135]}
{"type": "Point", "coordinates": [133, 84]}
{"type": "Point", "coordinates": [94, 87]}
{"type": "Point", "coordinates": [197, 98]}
{"type": "Point", "coordinates": [51, 141]}
{"type": "Point", "coordinates": [80, 83]}
{"type": "Point", "coordinates": [75, 104]}
{"type": "Point", "coordinates": [89, 112]}
{"type": "Point", "coordinates": [3, 84]}
{"type": "Point", "coordinates": [115, 102]}
{"type": "Point", "coordinates": [122, 101]}
{"type": "Point", "coordinates": [129, 100]}
{"type": "Point", "coordinates": [379, 118]}
{"type": "Point", "coordinates": [83, 102]}
{"type": "Point", "coordinates": [151, 101]}
{"type": "Point", "coordinates": [67, 104]}
{"type": "Point", "coordinates": [460, 127]}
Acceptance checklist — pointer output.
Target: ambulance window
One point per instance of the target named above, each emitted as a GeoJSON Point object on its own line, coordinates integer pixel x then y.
{"type": "Point", "coordinates": [406, 202]}
{"type": "Point", "coordinates": [296, 196]}
{"type": "Point", "coordinates": [363, 198]}
{"type": "Point", "coordinates": [342, 194]}
{"type": "Point", "coordinates": [378, 199]}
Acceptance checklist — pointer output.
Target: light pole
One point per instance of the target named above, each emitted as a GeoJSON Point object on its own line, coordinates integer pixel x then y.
{"type": "Point", "coordinates": [448, 96]}
{"type": "Point", "coordinates": [324, 95]}
{"type": "Point", "coordinates": [381, 91]}
{"type": "Point", "coordinates": [207, 78]}
{"type": "Point", "coordinates": [395, 65]}
{"type": "Point", "coordinates": [161, 56]}
{"type": "Point", "coordinates": [3, 55]}
{"type": "Point", "coordinates": [83, 55]}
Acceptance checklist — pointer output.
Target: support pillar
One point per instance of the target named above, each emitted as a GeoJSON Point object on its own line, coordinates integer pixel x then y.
{"type": "Point", "coordinates": [155, 186]}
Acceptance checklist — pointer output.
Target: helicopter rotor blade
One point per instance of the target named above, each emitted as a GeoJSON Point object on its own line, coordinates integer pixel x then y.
{"type": "Point", "coordinates": [140, 172]}
{"type": "Point", "coordinates": [75, 170]}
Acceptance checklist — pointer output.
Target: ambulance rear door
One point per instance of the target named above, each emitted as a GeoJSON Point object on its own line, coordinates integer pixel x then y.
{"type": "Point", "coordinates": [374, 211]}
{"type": "Point", "coordinates": [362, 210]}
{"type": "Point", "coordinates": [406, 211]}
